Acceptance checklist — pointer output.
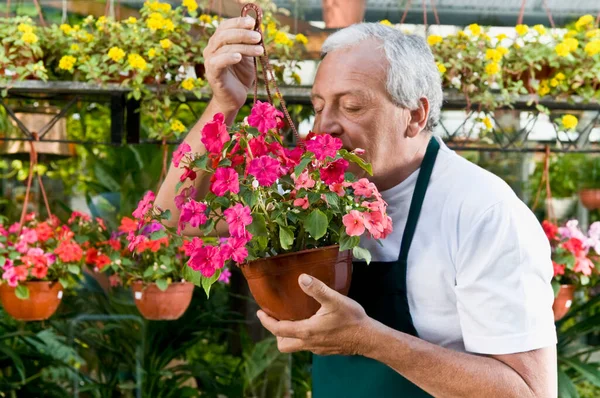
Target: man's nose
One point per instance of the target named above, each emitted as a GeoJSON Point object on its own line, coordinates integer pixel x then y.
{"type": "Point", "coordinates": [328, 122]}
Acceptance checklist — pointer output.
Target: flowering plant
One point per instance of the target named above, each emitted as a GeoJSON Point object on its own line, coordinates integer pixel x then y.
{"type": "Point", "coordinates": [574, 254]}
{"type": "Point", "coordinates": [45, 250]}
{"type": "Point", "coordinates": [274, 200]}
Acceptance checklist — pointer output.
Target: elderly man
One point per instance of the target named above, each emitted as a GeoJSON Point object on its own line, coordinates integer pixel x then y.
{"type": "Point", "coordinates": [457, 302]}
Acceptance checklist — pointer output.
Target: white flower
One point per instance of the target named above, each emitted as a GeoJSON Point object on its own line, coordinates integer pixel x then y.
{"type": "Point", "coordinates": [255, 184]}
{"type": "Point", "coordinates": [76, 116]}
{"type": "Point", "coordinates": [168, 77]}
{"type": "Point", "coordinates": [163, 267]}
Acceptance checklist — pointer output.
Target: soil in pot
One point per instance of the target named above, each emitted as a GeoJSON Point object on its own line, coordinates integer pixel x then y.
{"type": "Point", "coordinates": [44, 299]}
{"type": "Point", "coordinates": [157, 305]}
{"type": "Point", "coordinates": [273, 281]}
{"type": "Point", "coordinates": [563, 301]}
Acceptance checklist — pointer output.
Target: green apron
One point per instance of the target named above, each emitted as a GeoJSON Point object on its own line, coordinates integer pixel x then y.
{"type": "Point", "coordinates": [381, 289]}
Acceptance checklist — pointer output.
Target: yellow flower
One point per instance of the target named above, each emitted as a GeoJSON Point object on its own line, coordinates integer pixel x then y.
{"type": "Point", "coordinates": [67, 29]}
{"type": "Point", "coordinates": [67, 62]}
{"type": "Point", "coordinates": [101, 20]}
{"type": "Point", "coordinates": [487, 122]}
{"type": "Point", "coordinates": [206, 19]}
{"type": "Point", "coordinates": [593, 33]}
{"type": "Point", "coordinates": [554, 82]}
{"type": "Point", "coordinates": [502, 50]}
{"type": "Point", "coordinates": [177, 126]}
{"type": "Point", "coordinates": [300, 38]}
{"type": "Point", "coordinates": [592, 48]}
{"type": "Point", "coordinates": [76, 28]}
{"type": "Point", "coordinates": [116, 54]}
{"type": "Point", "coordinates": [493, 54]}
{"type": "Point", "coordinates": [88, 37]}
{"type": "Point", "coordinates": [25, 28]}
{"type": "Point", "coordinates": [74, 47]}
{"type": "Point", "coordinates": [544, 88]}
{"type": "Point", "coordinates": [584, 21]}
{"type": "Point", "coordinates": [296, 77]}
{"type": "Point", "coordinates": [461, 33]}
{"type": "Point", "coordinates": [152, 53]}
{"type": "Point", "coordinates": [441, 67]}
{"type": "Point", "coordinates": [158, 6]}
{"type": "Point", "coordinates": [434, 39]}
{"type": "Point", "coordinates": [272, 27]}
{"type": "Point", "coordinates": [560, 76]}
{"type": "Point", "coordinates": [155, 21]}
{"type": "Point", "coordinates": [486, 37]}
{"type": "Point", "coordinates": [562, 49]}
{"type": "Point", "coordinates": [29, 38]}
{"type": "Point", "coordinates": [572, 43]}
{"type": "Point", "coordinates": [166, 43]}
{"type": "Point", "coordinates": [168, 25]}
{"type": "Point", "coordinates": [501, 37]}
{"type": "Point", "coordinates": [571, 33]}
{"type": "Point", "coordinates": [132, 20]}
{"type": "Point", "coordinates": [188, 84]}
{"type": "Point", "coordinates": [475, 29]}
{"type": "Point", "coordinates": [540, 29]}
{"type": "Point", "coordinates": [282, 38]}
{"type": "Point", "coordinates": [516, 45]}
{"type": "Point", "coordinates": [492, 68]}
{"type": "Point", "coordinates": [522, 29]}
{"type": "Point", "coordinates": [191, 5]}
{"type": "Point", "coordinates": [385, 22]}
{"type": "Point", "coordinates": [136, 61]}
{"type": "Point", "coordinates": [569, 121]}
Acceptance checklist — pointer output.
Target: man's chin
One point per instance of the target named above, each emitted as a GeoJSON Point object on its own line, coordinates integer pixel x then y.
{"type": "Point", "coordinates": [357, 171]}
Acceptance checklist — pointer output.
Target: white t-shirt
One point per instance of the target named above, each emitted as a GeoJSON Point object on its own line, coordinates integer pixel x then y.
{"type": "Point", "coordinates": [479, 267]}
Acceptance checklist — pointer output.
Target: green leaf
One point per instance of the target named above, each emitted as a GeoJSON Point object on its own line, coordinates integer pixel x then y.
{"type": "Point", "coordinates": [566, 388]}
{"type": "Point", "coordinates": [156, 235]}
{"type": "Point", "coordinates": [584, 280]}
{"type": "Point", "coordinates": [9, 352]}
{"type": "Point", "coordinates": [22, 292]}
{"type": "Point", "coordinates": [250, 197]}
{"type": "Point", "coordinates": [356, 159]}
{"type": "Point", "coordinates": [13, 255]}
{"type": "Point", "coordinates": [166, 260]}
{"type": "Point", "coordinates": [208, 227]}
{"type": "Point", "coordinates": [148, 272]}
{"type": "Point", "coordinates": [316, 224]}
{"type": "Point", "coordinates": [303, 163]}
{"type": "Point", "coordinates": [165, 215]}
{"type": "Point", "coordinates": [222, 201]}
{"type": "Point", "coordinates": [286, 237]}
{"type": "Point", "coordinates": [363, 254]}
{"type": "Point", "coordinates": [224, 163]}
{"type": "Point", "coordinates": [313, 197]}
{"type": "Point", "coordinates": [258, 226]}
{"type": "Point", "coordinates": [555, 287]}
{"type": "Point", "coordinates": [333, 200]}
{"type": "Point", "coordinates": [192, 276]}
{"type": "Point", "coordinates": [80, 239]}
{"type": "Point", "coordinates": [348, 242]}
{"type": "Point", "coordinates": [201, 162]}
{"type": "Point", "coordinates": [2, 261]}
{"type": "Point", "coordinates": [74, 269]}
{"type": "Point", "coordinates": [178, 186]}
{"type": "Point", "coordinates": [208, 282]}
{"type": "Point", "coordinates": [162, 284]}
{"type": "Point", "coordinates": [64, 282]}
{"type": "Point", "coordinates": [590, 372]}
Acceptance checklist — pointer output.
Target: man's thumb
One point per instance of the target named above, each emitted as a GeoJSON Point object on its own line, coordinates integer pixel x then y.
{"type": "Point", "coordinates": [316, 289]}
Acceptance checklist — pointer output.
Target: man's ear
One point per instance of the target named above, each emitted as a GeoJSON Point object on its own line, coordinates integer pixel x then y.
{"type": "Point", "coordinates": [418, 118]}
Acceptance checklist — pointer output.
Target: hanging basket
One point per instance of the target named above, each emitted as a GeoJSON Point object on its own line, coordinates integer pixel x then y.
{"type": "Point", "coordinates": [157, 305]}
{"type": "Point", "coordinates": [44, 299]}
{"type": "Point", "coordinates": [563, 301]}
{"type": "Point", "coordinates": [273, 281]}
{"type": "Point", "coordinates": [590, 198]}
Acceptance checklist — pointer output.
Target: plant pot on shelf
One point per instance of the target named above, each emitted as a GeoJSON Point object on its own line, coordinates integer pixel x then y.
{"type": "Point", "coordinates": [563, 301]}
{"type": "Point", "coordinates": [44, 298]}
{"type": "Point", "coordinates": [340, 14]}
{"type": "Point", "coordinates": [273, 281]}
{"type": "Point", "coordinates": [561, 207]}
{"type": "Point", "coordinates": [157, 305]}
{"type": "Point", "coordinates": [590, 198]}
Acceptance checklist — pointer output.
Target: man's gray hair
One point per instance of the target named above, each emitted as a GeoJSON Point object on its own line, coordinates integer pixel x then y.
{"type": "Point", "coordinates": [412, 71]}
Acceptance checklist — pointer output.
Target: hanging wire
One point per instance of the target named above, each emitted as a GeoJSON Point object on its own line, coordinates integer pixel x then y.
{"type": "Point", "coordinates": [39, 11]}
{"type": "Point", "coordinates": [424, 16]}
{"type": "Point", "coordinates": [521, 12]}
{"type": "Point", "coordinates": [64, 11]}
{"type": "Point", "coordinates": [545, 4]}
{"type": "Point", "coordinates": [408, 4]}
{"type": "Point", "coordinates": [435, 13]}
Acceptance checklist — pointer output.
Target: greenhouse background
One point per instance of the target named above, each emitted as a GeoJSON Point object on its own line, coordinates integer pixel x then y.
{"type": "Point", "coordinates": [521, 86]}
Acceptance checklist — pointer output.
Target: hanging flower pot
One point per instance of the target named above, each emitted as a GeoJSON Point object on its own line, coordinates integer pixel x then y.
{"type": "Point", "coordinates": [158, 305]}
{"type": "Point", "coordinates": [561, 207]}
{"type": "Point", "coordinates": [273, 281]}
{"type": "Point", "coordinates": [44, 298]}
{"type": "Point", "coordinates": [590, 198]}
{"type": "Point", "coordinates": [340, 14]}
{"type": "Point", "coordinates": [563, 301]}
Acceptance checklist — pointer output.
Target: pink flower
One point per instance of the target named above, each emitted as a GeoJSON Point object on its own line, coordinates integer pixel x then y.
{"type": "Point", "coordinates": [303, 181]}
{"type": "Point", "coordinates": [225, 179]}
{"type": "Point", "coordinates": [225, 275]}
{"type": "Point", "coordinates": [15, 275]}
{"type": "Point", "coordinates": [571, 230]}
{"type": "Point", "coordinates": [359, 151]}
{"type": "Point", "coordinates": [14, 228]}
{"type": "Point", "coordinates": [337, 188]}
{"type": "Point", "coordinates": [190, 245]}
{"type": "Point", "coordinates": [324, 145]}
{"type": "Point", "coordinates": [258, 147]}
{"type": "Point", "coordinates": [114, 280]}
{"type": "Point", "coordinates": [265, 169]}
{"type": "Point", "coordinates": [238, 217]}
{"type": "Point", "coordinates": [302, 202]}
{"type": "Point", "coordinates": [354, 223]}
{"type": "Point", "coordinates": [193, 212]}
{"type": "Point", "coordinates": [8, 264]}
{"type": "Point", "coordinates": [51, 258]}
{"type": "Point", "coordinates": [29, 235]}
{"type": "Point", "coordinates": [364, 187]}
{"type": "Point", "coordinates": [22, 247]}
{"type": "Point", "coordinates": [35, 251]}
{"type": "Point", "coordinates": [144, 205]}
{"type": "Point", "coordinates": [235, 249]}
{"type": "Point", "coordinates": [214, 134]}
{"type": "Point", "coordinates": [135, 241]}
{"type": "Point", "coordinates": [264, 116]}
{"type": "Point", "coordinates": [39, 270]}
{"type": "Point", "coordinates": [188, 173]}
{"type": "Point", "coordinates": [180, 152]}
{"type": "Point", "coordinates": [375, 223]}
{"type": "Point", "coordinates": [334, 172]}
{"type": "Point", "coordinates": [189, 192]}
{"type": "Point", "coordinates": [583, 265]}
{"type": "Point", "coordinates": [206, 259]}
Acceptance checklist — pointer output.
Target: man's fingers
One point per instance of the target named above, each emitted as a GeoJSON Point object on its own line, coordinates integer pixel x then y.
{"type": "Point", "coordinates": [237, 23]}
{"type": "Point", "coordinates": [244, 49]}
{"type": "Point", "coordinates": [222, 61]}
{"type": "Point", "coordinates": [288, 345]}
{"type": "Point", "coordinates": [287, 329]}
{"type": "Point", "coordinates": [232, 36]}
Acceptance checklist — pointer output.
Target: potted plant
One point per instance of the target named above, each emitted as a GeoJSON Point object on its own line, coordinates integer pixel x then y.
{"type": "Point", "coordinates": [574, 255]}
{"type": "Point", "coordinates": [39, 260]}
{"type": "Point", "coordinates": [589, 193]}
{"type": "Point", "coordinates": [287, 211]}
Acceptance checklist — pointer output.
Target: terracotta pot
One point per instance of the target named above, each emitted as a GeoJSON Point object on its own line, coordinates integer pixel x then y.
{"type": "Point", "coordinates": [563, 301]}
{"type": "Point", "coordinates": [44, 298]}
{"type": "Point", "coordinates": [343, 13]}
{"type": "Point", "coordinates": [590, 198]}
{"type": "Point", "coordinates": [273, 281]}
{"type": "Point", "coordinates": [154, 304]}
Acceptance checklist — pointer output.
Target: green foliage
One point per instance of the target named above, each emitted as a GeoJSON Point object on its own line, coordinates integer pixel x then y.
{"type": "Point", "coordinates": [565, 171]}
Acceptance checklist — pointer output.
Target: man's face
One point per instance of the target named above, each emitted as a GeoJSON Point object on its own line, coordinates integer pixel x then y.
{"type": "Point", "coordinates": [351, 102]}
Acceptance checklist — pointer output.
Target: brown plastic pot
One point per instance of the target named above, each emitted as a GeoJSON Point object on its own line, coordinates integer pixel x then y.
{"type": "Point", "coordinates": [273, 281]}
{"type": "Point", "coordinates": [156, 305]}
{"type": "Point", "coordinates": [342, 13]}
{"type": "Point", "coordinates": [44, 298]}
{"type": "Point", "coordinates": [590, 198]}
{"type": "Point", "coordinates": [563, 301]}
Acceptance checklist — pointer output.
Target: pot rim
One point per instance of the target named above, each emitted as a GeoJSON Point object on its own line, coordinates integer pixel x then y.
{"type": "Point", "coordinates": [35, 283]}
{"type": "Point", "coordinates": [291, 254]}
{"type": "Point", "coordinates": [139, 282]}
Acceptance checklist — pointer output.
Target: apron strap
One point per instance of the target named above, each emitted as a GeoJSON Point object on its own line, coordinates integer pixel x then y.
{"type": "Point", "coordinates": [418, 196]}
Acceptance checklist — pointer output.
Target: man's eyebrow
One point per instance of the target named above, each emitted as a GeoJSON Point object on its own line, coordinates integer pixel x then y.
{"type": "Point", "coordinates": [359, 93]}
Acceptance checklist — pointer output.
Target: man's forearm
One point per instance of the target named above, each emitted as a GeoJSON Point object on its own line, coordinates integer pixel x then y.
{"type": "Point", "coordinates": [166, 194]}
{"type": "Point", "coordinates": [443, 372]}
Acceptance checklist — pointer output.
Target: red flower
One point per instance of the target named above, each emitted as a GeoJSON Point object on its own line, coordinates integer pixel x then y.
{"type": "Point", "coordinates": [235, 249]}
{"type": "Point", "coordinates": [101, 223]}
{"type": "Point", "coordinates": [334, 172]}
{"type": "Point", "coordinates": [44, 231]}
{"type": "Point", "coordinates": [190, 245]}
{"type": "Point", "coordinates": [559, 269]}
{"type": "Point", "coordinates": [39, 271]}
{"type": "Point", "coordinates": [180, 152]}
{"type": "Point", "coordinates": [214, 134]}
{"type": "Point", "coordinates": [69, 251]}
{"type": "Point", "coordinates": [264, 116]}
{"type": "Point", "coordinates": [206, 259]}
{"type": "Point", "coordinates": [226, 180]}
{"type": "Point", "coordinates": [265, 169]}
{"type": "Point", "coordinates": [91, 255]}
{"type": "Point", "coordinates": [324, 145]}
{"type": "Point", "coordinates": [258, 147]}
{"type": "Point", "coordinates": [128, 225]}
{"type": "Point", "coordinates": [188, 173]}
{"type": "Point", "coordinates": [575, 246]}
{"type": "Point", "coordinates": [550, 229]}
